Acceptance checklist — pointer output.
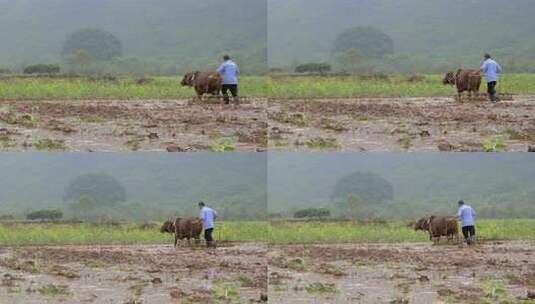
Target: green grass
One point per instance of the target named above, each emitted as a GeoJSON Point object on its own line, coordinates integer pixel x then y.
{"type": "Point", "coordinates": [223, 145]}
{"type": "Point", "coordinates": [54, 291]}
{"type": "Point", "coordinates": [48, 144]}
{"type": "Point", "coordinates": [351, 232]}
{"type": "Point", "coordinates": [227, 292]}
{"type": "Point", "coordinates": [320, 288]}
{"type": "Point", "coordinates": [494, 144]}
{"type": "Point", "coordinates": [280, 232]}
{"type": "Point", "coordinates": [87, 234]}
{"type": "Point", "coordinates": [396, 86]}
{"type": "Point", "coordinates": [169, 87]}
{"type": "Point", "coordinates": [124, 88]}
{"type": "Point", "coordinates": [256, 86]}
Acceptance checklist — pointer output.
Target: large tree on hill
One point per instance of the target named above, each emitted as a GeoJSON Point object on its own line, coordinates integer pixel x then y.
{"type": "Point", "coordinates": [98, 44]}
{"type": "Point", "coordinates": [102, 188]}
{"type": "Point", "coordinates": [369, 41]}
{"type": "Point", "coordinates": [370, 188]}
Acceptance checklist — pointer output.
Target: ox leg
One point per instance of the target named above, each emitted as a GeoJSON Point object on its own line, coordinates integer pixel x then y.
{"type": "Point", "coordinates": [176, 240]}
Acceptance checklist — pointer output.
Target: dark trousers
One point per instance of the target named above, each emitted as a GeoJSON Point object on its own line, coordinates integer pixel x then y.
{"type": "Point", "coordinates": [491, 89]}
{"type": "Point", "coordinates": [233, 88]}
{"type": "Point", "coordinates": [469, 233]}
{"type": "Point", "coordinates": [208, 234]}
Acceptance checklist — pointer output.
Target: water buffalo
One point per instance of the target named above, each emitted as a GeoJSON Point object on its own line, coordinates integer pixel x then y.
{"type": "Point", "coordinates": [183, 228]}
{"type": "Point", "coordinates": [168, 226]}
{"type": "Point", "coordinates": [464, 80]}
{"type": "Point", "coordinates": [203, 83]}
{"type": "Point", "coordinates": [438, 226]}
{"type": "Point", "coordinates": [422, 224]}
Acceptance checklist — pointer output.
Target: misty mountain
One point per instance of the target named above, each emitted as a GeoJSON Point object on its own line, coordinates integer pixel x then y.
{"type": "Point", "coordinates": [154, 183]}
{"type": "Point", "coordinates": [436, 33]}
{"type": "Point", "coordinates": [185, 33]}
{"type": "Point", "coordinates": [422, 182]}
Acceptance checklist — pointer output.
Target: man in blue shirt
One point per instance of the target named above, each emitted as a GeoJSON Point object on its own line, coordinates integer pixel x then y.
{"type": "Point", "coordinates": [467, 216]}
{"type": "Point", "coordinates": [208, 216]}
{"type": "Point", "coordinates": [491, 69]}
{"type": "Point", "coordinates": [229, 71]}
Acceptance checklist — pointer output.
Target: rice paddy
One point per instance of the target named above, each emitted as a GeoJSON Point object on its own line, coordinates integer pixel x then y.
{"type": "Point", "coordinates": [277, 232]}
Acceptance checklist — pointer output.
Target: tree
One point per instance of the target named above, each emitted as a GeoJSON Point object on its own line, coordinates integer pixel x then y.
{"type": "Point", "coordinates": [371, 42]}
{"type": "Point", "coordinates": [368, 187]}
{"type": "Point", "coordinates": [80, 58]}
{"type": "Point", "coordinates": [352, 207]}
{"type": "Point", "coordinates": [351, 58]}
{"type": "Point", "coordinates": [85, 207]}
{"type": "Point", "coordinates": [104, 189]}
{"type": "Point", "coordinates": [43, 215]}
{"type": "Point", "coordinates": [99, 44]}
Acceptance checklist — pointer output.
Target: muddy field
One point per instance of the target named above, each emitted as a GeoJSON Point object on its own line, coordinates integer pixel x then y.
{"type": "Point", "coordinates": [134, 125]}
{"type": "Point", "coordinates": [493, 272]}
{"type": "Point", "coordinates": [235, 273]}
{"type": "Point", "coordinates": [401, 124]}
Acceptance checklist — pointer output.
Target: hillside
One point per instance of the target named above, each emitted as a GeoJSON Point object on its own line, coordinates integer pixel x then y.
{"type": "Point", "coordinates": [155, 184]}
{"type": "Point", "coordinates": [422, 182]}
{"type": "Point", "coordinates": [429, 35]}
{"type": "Point", "coordinates": [184, 33]}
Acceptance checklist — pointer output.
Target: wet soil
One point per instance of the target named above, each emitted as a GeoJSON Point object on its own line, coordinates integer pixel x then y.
{"type": "Point", "coordinates": [491, 272]}
{"type": "Point", "coordinates": [400, 124]}
{"type": "Point", "coordinates": [236, 273]}
{"type": "Point", "coordinates": [132, 125]}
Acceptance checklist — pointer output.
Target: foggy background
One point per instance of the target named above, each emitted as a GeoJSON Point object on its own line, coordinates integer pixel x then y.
{"type": "Point", "coordinates": [142, 186]}
{"type": "Point", "coordinates": [427, 36]}
{"type": "Point", "coordinates": [250, 186]}
{"type": "Point", "coordinates": [157, 36]}
{"type": "Point", "coordinates": [399, 186]}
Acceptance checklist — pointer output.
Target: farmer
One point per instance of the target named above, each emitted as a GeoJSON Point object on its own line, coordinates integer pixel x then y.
{"type": "Point", "coordinates": [208, 216]}
{"type": "Point", "coordinates": [491, 69]}
{"type": "Point", "coordinates": [467, 216]}
{"type": "Point", "coordinates": [229, 71]}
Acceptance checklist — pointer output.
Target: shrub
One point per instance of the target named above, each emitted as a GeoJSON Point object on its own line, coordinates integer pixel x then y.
{"type": "Point", "coordinates": [42, 69]}
{"type": "Point", "coordinates": [312, 212]}
{"type": "Point", "coordinates": [313, 67]}
{"type": "Point", "coordinates": [51, 215]}
{"type": "Point", "coordinates": [6, 217]}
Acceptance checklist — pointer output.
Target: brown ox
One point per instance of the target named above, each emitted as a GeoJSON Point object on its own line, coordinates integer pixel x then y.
{"type": "Point", "coordinates": [203, 83]}
{"type": "Point", "coordinates": [183, 228]}
{"type": "Point", "coordinates": [464, 80]}
{"type": "Point", "coordinates": [438, 226]}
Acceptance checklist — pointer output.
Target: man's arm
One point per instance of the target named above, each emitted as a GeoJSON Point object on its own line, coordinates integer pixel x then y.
{"type": "Point", "coordinates": [459, 213]}
{"type": "Point", "coordinates": [483, 67]}
{"type": "Point", "coordinates": [498, 68]}
{"type": "Point", "coordinates": [201, 215]}
{"type": "Point", "coordinates": [237, 70]}
{"type": "Point", "coordinates": [215, 215]}
{"type": "Point", "coordinates": [221, 69]}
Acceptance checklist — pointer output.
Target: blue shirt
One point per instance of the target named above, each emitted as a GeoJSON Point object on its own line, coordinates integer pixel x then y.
{"type": "Point", "coordinates": [207, 216]}
{"type": "Point", "coordinates": [491, 69]}
{"type": "Point", "coordinates": [467, 215]}
{"type": "Point", "coordinates": [229, 71]}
